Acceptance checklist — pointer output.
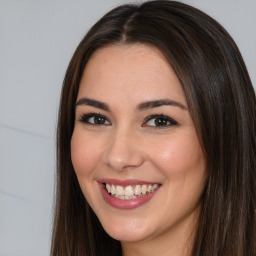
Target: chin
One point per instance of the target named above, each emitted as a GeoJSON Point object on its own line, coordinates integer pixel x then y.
{"type": "Point", "coordinates": [126, 237]}
{"type": "Point", "coordinates": [129, 232]}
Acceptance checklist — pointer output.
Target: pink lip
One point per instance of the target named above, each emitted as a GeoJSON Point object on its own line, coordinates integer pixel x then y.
{"type": "Point", "coordinates": [125, 204]}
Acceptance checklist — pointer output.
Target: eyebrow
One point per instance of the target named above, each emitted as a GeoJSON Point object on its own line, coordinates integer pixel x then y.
{"type": "Point", "coordinates": [93, 103]}
{"type": "Point", "coordinates": [142, 106]}
{"type": "Point", "coordinates": [158, 103]}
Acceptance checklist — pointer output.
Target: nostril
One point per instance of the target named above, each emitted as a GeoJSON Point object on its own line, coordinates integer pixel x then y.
{"type": "Point", "coordinates": [121, 153]}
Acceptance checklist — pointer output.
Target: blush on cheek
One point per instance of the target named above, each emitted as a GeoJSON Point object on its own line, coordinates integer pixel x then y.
{"type": "Point", "coordinates": [176, 157]}
{"type": "Point", "coordinates": [84, 156]}
{"type": "Point", "coordinates": [77, 154]}
{"type": "Point", "coordinates": [170, 154]}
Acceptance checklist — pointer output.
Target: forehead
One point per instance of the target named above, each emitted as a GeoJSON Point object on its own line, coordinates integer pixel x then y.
{"type": "Point", "coordinates": [133, 70]}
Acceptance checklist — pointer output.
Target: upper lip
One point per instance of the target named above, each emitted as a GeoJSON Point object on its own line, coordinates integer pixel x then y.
{"type": "Point", "coordinates": [126, 182]}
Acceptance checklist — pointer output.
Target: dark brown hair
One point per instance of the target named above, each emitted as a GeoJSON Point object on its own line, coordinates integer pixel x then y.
{"type": "Point", "coordinates": [222, 104]}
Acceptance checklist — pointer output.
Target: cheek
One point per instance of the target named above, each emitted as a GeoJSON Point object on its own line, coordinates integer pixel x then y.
{"type": "Point", "coordinates": [85, 153]}
{"type": "Point", "coordinates": [179, 155]}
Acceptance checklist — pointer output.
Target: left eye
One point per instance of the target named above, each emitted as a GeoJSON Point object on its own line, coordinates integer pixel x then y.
{"type": "Point", "coordinates": [160, 121]}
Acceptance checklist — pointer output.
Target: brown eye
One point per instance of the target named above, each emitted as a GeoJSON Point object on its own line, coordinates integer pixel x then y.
{"type": "Point", "coordinates": [160, 121]}
{"type": "Point", "coordinates": [97, 120]}
{"type": "Point", "coordinates": [94, 119]}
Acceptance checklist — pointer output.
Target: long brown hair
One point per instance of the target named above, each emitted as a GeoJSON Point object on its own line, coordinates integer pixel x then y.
{"type": "Point", "coordinates": [222, 104]}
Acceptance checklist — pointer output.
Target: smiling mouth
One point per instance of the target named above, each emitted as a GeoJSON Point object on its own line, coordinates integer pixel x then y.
{"type": "Point", "coordinates": [130, 192]}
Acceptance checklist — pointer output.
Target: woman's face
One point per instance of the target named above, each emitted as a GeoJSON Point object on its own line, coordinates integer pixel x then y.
{"type": "Point", "coordinates": [135, 138]}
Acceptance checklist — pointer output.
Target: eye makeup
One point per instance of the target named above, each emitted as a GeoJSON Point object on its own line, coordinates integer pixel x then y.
{"type": "Point", "coordinates": [159, 121]}
{"type": "Point", "coordinates": [94, 119]}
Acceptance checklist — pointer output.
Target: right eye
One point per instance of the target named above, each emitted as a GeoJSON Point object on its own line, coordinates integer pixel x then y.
{"type": "Point", "coordinates": [94, 119]}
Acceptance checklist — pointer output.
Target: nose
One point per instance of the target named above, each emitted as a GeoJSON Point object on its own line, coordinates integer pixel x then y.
{"type": "Point", "coordinates": [123, 151]}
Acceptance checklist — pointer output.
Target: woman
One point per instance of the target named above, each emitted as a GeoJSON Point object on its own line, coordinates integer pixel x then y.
{"type": "Point", "coordinates": [156, 139]}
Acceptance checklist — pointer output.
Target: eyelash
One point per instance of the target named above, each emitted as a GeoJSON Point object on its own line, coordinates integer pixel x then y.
{"type": "Point", "coordinates": [170, 122]}
{"type": "Point", "coordinates": [85, 119]}
{"type": "Point", "coordinates": [166, 121]}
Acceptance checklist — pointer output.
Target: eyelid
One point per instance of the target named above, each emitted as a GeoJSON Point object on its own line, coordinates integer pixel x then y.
{"type": "Point", "coordinates": [84, 118]}
{"type": "Point", "coordinates": [171, 120]}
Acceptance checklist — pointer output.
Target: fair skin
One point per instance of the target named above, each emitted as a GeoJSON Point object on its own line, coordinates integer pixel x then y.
{"type": "Point", "coordinates": [119, 140]}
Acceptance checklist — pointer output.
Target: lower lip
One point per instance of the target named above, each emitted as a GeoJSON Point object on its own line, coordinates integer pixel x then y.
{"type": "Point", "coordinates": [126, 204]}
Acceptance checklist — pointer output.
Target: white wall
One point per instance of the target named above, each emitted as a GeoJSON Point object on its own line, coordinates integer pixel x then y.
{"type": "Point", "coordinates": [37, 39]}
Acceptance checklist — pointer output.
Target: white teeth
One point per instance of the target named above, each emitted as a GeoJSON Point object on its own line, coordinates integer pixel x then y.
{"type": "Point", "coordinates": [144, 189]}
{"type": "Point", "coordinates": [155, 186]}
{"type": "Point", "coordinates": [137, 190]}
{"type": "Point", "coordinates": [108, 187]}
{"type": "Point", "coordinates": [119, 191]}
{"type": "Point", "coordinates": [113, 190]}
{"type": "Point", "coordinates": [129, 192]}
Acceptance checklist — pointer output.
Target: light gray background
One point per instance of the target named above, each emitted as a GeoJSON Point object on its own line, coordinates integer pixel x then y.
{"type": "Point", "coordinates": [37, 40]}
